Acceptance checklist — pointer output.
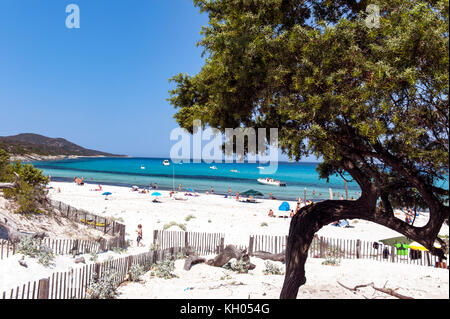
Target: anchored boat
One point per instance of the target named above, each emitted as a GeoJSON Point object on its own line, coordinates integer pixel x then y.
{"type": "Point", "coordinates": [271, 181]}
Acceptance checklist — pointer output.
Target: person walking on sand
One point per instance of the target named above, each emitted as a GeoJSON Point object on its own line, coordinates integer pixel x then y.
{"type": "Point", "coordinates": [212, 190]}
{"type": "Point", "coordinates": [229, 192]}
{"type": "Point", "coordinates": [139, 237]}
{"type": "Point", "coordinates": [179, 187]}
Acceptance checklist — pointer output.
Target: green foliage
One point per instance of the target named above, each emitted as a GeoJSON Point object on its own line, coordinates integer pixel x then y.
{"type": "Point", "coordinates": [189, 217]}
{"type": "Point", "coordinates": [371, 102]}
{"type": "Point", "coordinates": [34, 249]}
{"type": "Point", "coordinates": [240, 266]}
{"type": "Point", "coordinates": [164, 269]}
{"type": "Point", "coordinates": [29, 194]}
{"type": "Point", "coordinates": [272, 269]}
{"type": "Point", "coordinates": [136, 271]}
{"type": "Point", "coordinates": [264, 224]}
{"type": "Point", "coordinates": [105, 287]}
{"type": "Point", "coordinates": [172, 223]}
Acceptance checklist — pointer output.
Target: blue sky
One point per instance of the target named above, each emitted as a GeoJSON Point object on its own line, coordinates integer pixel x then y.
{"type": "Point", "coordinates": [103, 86]}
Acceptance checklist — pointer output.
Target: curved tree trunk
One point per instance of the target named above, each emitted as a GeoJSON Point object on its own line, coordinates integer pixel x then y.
{"type": "Point", "coordinates": [312, 218]}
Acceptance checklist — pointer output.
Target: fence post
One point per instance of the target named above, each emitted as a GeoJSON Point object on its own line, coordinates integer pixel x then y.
{"type": "Point", "coordinates": [43, 289]}
{"type": "Point", "coordinates": [358, 248]}
{"type": "Point", "coordinates": [222, 244]}
{"type": "Point", "coordinates": [186, 240]}
{"type": "Point", "coordinates": [155, 237]}
{"type": "Point", "coordinates": [392, 253]}
{"type": "Point", "coordinates": [321, 247]}
{"type": "Point", "coordinates": [250, 246]}
{"type": "Point", "coordinates": [97, 271]}
{"type": "Point", "coordinates": [130, 262]}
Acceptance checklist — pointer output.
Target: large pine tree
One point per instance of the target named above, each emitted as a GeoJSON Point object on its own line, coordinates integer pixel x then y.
{"type": "Point", "coordinates": [371, 99]}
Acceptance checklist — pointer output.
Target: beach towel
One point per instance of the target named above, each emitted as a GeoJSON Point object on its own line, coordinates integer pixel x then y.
{"type": "Point", "coordinates": [402, 249]}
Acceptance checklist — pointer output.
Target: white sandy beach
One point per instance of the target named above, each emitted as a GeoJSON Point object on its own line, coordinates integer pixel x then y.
{"type": "Point", "coordinates": [237, 220]}
{"type": "Point", "coordinates": [213, 213]}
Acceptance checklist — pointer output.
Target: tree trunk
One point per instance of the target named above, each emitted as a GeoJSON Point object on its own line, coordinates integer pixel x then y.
{"type": "Point", "coordinates": [312, 218]}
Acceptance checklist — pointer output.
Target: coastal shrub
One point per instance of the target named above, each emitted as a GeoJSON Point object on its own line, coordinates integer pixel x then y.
{"type": "Point", "coordinates": [136, 271]}
{"type": "Point", "coordinates": [239, 266]}
{"type": "Point", "coordinates": [93, 256]}
{"type": "Point", "coordinates": [172, 223]}
{"type": "Point", "coordinates": [164, 269]}
{"type": "Point", "coordinates": [272, 269]}
{"type": "Point", "coordinates": [33, 248]}
{"type": "Point", "coordinates": [30, 194]}
{"type": "Point", "coordinates": [264, 224]}
{"type": "Point", "coordinates": [105, 287]}
{"type": "Point", "coordinates": [189, 217]}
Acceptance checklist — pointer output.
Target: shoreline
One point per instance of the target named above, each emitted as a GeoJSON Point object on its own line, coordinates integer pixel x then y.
{"type": "Point", "coordinates": [165, 188]}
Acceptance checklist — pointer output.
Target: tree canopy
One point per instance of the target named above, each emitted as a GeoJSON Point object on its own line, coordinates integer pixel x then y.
{"type": "Point", "coordinates": [371, 101]}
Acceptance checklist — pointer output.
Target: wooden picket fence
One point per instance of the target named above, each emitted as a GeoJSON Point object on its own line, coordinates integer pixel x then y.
{"type": "Point", "coordinates": [107, 225]}
{"type": "Point", "coordinates": [74, 283]}
{"type": "Point", "coordinates": [338, 248]}
{"type": "Point", "coordinates": [64, 246]}
{"type": "Point", "coordinates": [203, 243]}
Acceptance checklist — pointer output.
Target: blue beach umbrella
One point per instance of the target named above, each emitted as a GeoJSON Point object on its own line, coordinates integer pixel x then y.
{"type": "Point", "coordinates": [106, 193]}
{"type": "Point", "coordinates": [284, 207]}
{"type": "Point", "coordinates": [156, 194]}
{"type": "Point", "coordinates": [190, 190]}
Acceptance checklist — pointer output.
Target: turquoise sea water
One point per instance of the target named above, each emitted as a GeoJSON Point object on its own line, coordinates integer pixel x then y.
{"type": "Point", "coordinates": [199, 176]}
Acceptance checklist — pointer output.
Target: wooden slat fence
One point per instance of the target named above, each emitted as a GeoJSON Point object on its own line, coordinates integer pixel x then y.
{"type": "Point", "coordinates": [74, 283]}
{"type": "Point", "coordinates": [322, 247]}
{"type": "Point", "coordinates": [107, 225]}
{"type": "Point", "coordinates": [64, 246]}
{"type": "Point", "coordinates": [203, 243]}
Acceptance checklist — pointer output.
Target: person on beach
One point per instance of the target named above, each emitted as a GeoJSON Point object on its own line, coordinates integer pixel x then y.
{"type": "Point", "coordinates": [292, 212]}
{"type": "Point", "coordinates": [179, 187]}
{"type": "Point", "coordinates": [155, 186]}
{"type": "Point", "coordinates": [229, 192]}
{"type": "Point", "coordinates": [139, 237]}
{"type": "Point", "coordinates": [270, 195]}
{"type": "Point", "coordinates": [212, 190]}
{"type": "Point", "coordinates": [237, 196]}
{"type": "Point", "coordinates": [270, 213]}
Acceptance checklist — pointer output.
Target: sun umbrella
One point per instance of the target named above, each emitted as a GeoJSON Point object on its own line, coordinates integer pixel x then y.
{"type": "Point", "coordinates": [252, 192]}
{"type": "Point", "coordinates": [106, 193]}
{"type": "Point", "coordinates": [156, 194]}
{"type": "Point", "coordinates": [190, 190]}
{"type": "Point", "coordinates": [416, 246]}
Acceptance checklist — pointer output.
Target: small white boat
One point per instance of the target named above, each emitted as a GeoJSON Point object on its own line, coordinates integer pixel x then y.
{"type": "Point", "coordinates": [142, 167]}
{"type": "Point", "coordinates": [271, 181]}
{"type": "Point", "coordinates": [213, 167]}
{"type": "Point", "coordinates": [260, 167]}
{"type": "Point", "coordinates": [166, 163]}
{"type": "Point", "coordinates": [234, 171]}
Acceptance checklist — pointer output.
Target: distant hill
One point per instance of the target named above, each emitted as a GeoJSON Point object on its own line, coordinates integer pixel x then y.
{"type": "Point", "coordinates": [35, 144]}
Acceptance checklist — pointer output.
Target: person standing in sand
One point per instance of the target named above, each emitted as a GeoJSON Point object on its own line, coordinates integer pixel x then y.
{"type": "Point", "coordinates": [139, 237]}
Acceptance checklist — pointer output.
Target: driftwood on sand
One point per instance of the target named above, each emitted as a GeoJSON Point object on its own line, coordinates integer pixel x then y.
{"type": "Point", "coordinates": [229, 253]}
{"type": "Point", "coordinates": [388, 291]}
{"type": "Point", "coordinates": [269, 256]}
{"type": "Point", "coordinates": [192, 259]}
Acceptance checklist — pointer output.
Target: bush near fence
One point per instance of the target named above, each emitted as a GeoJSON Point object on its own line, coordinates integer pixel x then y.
{"type": "Point", "coordinates": [73, 284]}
